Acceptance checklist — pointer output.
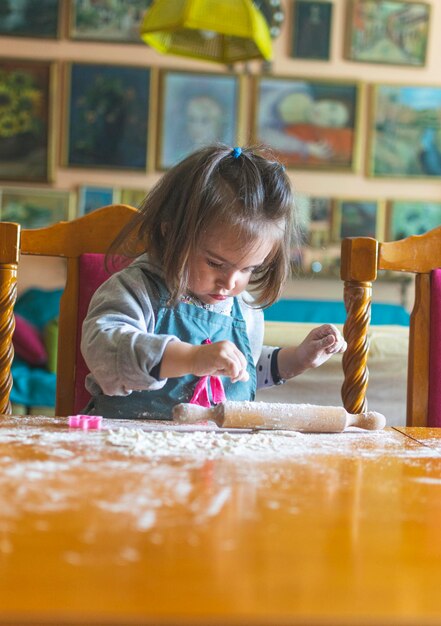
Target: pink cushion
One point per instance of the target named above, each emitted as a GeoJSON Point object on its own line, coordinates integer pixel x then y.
{"type": "Point", "coordinates": [434, 408]}
{"type": "Point", "coordinates": [27, 342]}
{"type": "Point", "coordinates": [92, 273]}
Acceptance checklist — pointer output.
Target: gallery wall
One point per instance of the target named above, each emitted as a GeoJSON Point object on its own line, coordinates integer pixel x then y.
{"type": "Point", "coordinates": [351, 183]}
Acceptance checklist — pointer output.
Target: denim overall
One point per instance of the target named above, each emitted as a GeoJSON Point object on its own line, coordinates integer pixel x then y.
{"type": "Point", "coordinates": [192, 324]}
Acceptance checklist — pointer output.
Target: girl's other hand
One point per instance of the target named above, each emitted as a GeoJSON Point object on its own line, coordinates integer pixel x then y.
{"type": "Point", "coordinates": [317, 347]}
{"type": "Point", "coordinates": [320, 344]}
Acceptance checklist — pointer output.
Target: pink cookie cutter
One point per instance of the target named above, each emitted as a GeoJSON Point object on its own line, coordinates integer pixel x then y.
{"type": "Point", "coordinates": [85, 422]}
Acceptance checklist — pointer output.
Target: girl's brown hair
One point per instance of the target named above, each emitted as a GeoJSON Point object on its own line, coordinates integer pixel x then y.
{"type": "Point", "coordinates": [216, 187]}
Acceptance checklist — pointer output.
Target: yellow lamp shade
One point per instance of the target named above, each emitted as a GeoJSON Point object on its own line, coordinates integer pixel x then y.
{"type": "Point", "coordinates": [225, 31]}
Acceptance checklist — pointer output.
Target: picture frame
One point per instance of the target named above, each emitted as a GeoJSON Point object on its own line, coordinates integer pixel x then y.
{"type": "Point", "coordinates": [92, 197]}
{"type": "Point", "coordinates": [315, 219]}
{"type": "Point", "coordinates": [404, 134]}
{"type": "Point", "coordinates": [311, 30]}
{"type": "Point", "coordinates": [393, 32]}
{"type": "Point", "coordinates": [319, 253]}
{"type": "Point", "coordinates": [35, 208]}
{"type": "Point", "coordinates": [357, 217]}
{"type": "Point", "coordinates": [309, 124]}
{"type": "Point", "coordinates": [107, 116]}
{"type": "Point", "coordinates": [196, 109]}
{"type": "Point", "coordinates": [26, 120]}
{"type": "Point", "coordinates": [30, 18]}
{"type": "Point", "coordinates": [411, 217]}
{"type": "Point", "coordinates": [132, 197]}
{"type": "Point", "coordinates": [107, 20]}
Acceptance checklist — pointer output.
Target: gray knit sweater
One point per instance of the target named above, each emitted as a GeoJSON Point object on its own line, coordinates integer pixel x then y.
{"type": "Point", "coordinates": [119, 343]}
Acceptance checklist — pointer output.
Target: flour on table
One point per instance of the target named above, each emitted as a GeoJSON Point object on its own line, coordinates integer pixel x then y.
{"type": "Point", "coordinates": [154, 477]}
{"type": "Point", "coordinates": [213, 443]}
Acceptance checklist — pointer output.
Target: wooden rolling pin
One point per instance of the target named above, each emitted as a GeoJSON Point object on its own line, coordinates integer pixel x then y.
{"type": "Point", "coordinates": [307, 418]}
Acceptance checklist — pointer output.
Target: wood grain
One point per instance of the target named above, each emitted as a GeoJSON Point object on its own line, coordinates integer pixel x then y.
{"type": "Point", "coordinates": [9, 243]}
{"type": "Point", "coordinates": [343, 527]}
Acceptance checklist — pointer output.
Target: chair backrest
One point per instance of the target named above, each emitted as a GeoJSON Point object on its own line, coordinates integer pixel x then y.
{"type": "Point", "coordinates": [83, 242]}
{"type": "Point", "coordinates": [9, 252]}
{"type": "Point", "coordinates": [361, 258]}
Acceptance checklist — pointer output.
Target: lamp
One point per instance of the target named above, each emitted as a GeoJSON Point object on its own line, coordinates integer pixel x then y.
{"type": "Point", "coordinates": [225, 31]}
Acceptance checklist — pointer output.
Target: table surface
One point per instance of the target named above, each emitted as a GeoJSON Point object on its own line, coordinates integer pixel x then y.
{"type": "Point", "coordinates": [142, 525]}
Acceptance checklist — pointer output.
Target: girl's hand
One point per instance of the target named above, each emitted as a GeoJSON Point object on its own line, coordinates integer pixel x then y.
{"type": "Point", "coordinates": [211, 359]}
{"type": "Point", "coordinates": [220, 359]}
{"type": "Point", "coordinates": [317, 347]}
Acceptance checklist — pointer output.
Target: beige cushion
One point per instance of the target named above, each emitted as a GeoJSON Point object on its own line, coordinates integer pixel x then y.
{"type": "Point", "coordinates": [387, 363]}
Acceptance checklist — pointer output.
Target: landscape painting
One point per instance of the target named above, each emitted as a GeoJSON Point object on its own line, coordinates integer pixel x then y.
{"type": "Point", "coordinates": [107, 20]}
{"type": "Point", "coordinates": [35, 208]}
{"type": "Point", "coordinates": [405, 131]}
{"type": "Point", "coordinates": [388, 31]}
{"type": "Point", "coordinates": [412, 217]}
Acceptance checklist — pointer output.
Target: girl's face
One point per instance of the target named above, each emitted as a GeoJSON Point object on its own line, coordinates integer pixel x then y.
{"type": "Point", "coordinates": [222, 268]}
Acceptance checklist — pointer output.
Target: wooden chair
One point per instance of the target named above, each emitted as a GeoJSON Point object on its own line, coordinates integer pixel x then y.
{"type": "Point", "coordinates": [361, 258]}
{"type": "Point", "coordinates": [9, 251]}
{"type": "Point", "coordinates": [92, 233]}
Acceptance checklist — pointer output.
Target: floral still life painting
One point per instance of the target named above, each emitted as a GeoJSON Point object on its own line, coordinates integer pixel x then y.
{"type": "Point", "coordinates": [108, 116]}
{"type": "Point", "coordinates": [25, 149]}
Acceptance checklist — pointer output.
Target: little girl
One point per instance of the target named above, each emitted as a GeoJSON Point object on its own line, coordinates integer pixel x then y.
{"type": "Point", "coordinates": [177, 324]}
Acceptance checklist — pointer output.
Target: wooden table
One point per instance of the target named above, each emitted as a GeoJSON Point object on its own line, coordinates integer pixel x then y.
{"type": "Point", "coordinates": [174, 528]}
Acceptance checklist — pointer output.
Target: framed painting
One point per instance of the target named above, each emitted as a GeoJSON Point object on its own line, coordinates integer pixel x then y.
{"type": "Point", "coordinates": [405, 131]}
{"type": "Point", "coordinates": [359, 218]}
{"type": "Point", "coordinates": [132, 197]}
{"type": "Point", "coordinates": [107, 118]}
{"type": "Point", "coordinates": [107, 20]}
{"type": "Point", "coordinates": [310, 124]}
{"type": "Point", "coordinates": [388, 31]}
{"type": "Point", "coordinates": [91, 198]}
{"type": "Point", "coordinates": [196, 109]}
{"type": "Point", "coordinates": [35, 208]}
{"type": "Point", "coordinates": [311, 32]}
{"type": "Point", "coordinates": [412, 217]}
{"type": "Point", "coordinates": [315, 218]}
{"type": "Point", "coordinates": [30, 18]}
{"type": "Point", "coordinates": [319, 253]}
{"type": "Point", "coordinates": [26, 151]}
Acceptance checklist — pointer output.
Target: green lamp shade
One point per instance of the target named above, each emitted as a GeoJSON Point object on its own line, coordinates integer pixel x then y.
{"type": "Point", "coordinates": [224, 31]}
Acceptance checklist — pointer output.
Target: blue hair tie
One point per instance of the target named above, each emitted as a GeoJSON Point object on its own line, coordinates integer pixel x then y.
{"type": "Point", "coordinates": [236, 152]}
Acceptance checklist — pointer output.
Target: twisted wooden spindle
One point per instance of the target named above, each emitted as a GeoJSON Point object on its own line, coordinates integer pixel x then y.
{"type": "Point", "coordinates": [359, 257]}
{"type": "Point", "coordinates": [357, 298]}
{"type": "Point", "coordinates": [9, 251]}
